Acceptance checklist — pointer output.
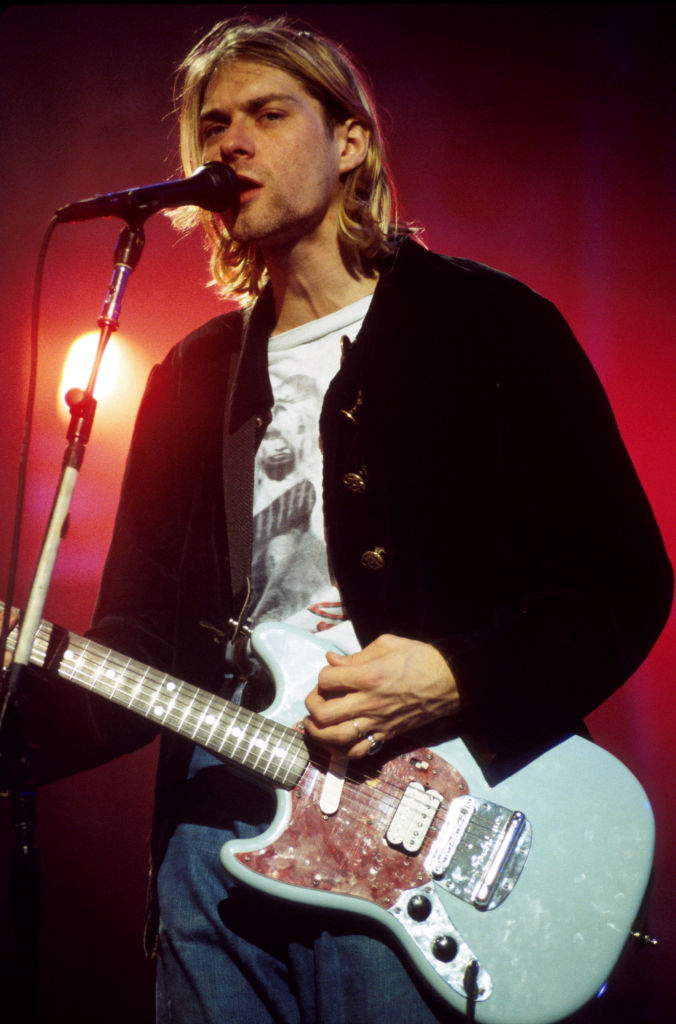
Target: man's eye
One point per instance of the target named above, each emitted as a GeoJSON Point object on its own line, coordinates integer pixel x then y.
{"type": "Point", "coordinates": [272, 115]}
{"type": "Point", "coordinates": [212, 131]}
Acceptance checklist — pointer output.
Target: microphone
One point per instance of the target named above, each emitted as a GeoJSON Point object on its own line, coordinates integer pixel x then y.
{"type": "Point", "coordinates": [212, 186]}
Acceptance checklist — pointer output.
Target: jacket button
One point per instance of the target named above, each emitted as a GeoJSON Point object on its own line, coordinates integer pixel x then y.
{"type": "Point", "coordinates": [351, 414]}
{"type": "Point", "coordinates": [374, 560]}
{"type": "Point", "coordinates": [355, 482]}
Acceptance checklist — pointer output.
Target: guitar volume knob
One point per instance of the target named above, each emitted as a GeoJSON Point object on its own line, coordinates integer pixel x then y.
{"type": "Point", "coordinates": [445, 948]}
{"type": "Point", "coordinates": [419, 907]}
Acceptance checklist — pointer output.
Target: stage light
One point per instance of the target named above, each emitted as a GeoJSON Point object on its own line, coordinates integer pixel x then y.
{"type": "Point", "coordinates": [78, 366]}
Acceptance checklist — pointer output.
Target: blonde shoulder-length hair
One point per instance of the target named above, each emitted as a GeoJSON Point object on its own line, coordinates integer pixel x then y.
{"type": "Point", "coordinates": [367, 230]}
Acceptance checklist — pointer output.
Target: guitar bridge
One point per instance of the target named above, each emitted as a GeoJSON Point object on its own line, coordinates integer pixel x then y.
{"type": "Point", "coordinates": [480, 851]}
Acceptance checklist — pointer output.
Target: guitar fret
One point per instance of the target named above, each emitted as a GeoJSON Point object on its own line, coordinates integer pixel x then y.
{"type": "Point", "coordinates": [275, 751]}
{"type": "Point", "coordinates": [212, 720]}
{"type": "Point", "coordinates": [139, 695]}
{"type": "Point", "coordinates": [185, 711]}
{"type": "Point", "coordinates": [234, 733]}
{"type": "Point", "coordinates": [256, 748]}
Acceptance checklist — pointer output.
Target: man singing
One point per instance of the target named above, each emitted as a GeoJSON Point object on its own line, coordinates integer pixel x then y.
{"type": "Point", "coordinates": [408, 444]}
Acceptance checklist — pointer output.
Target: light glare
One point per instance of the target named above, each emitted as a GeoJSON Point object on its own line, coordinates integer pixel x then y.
{"type": "Point", "coordinates": [78, 367]}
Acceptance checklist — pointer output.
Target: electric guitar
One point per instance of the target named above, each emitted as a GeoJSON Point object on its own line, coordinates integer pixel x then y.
{"type": "Point", "coordinates": [514, 902]}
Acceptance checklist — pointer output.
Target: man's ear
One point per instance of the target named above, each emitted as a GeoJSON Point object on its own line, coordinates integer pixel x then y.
{"type": "Point", "coordinates": [354, 138]}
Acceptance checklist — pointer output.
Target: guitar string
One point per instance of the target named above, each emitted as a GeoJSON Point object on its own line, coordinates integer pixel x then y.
{"type": "Point", "coordinates": [190, 703]}
{"type": "Point", "coordinates": [362, 804]}
{"type": "Point", "coordinates": [203, 702]}
{"type": "Point", "coordinates": [90, 665]}
{"type": "Point", "coordinates": [362, 794]}
{"type": "Point", "coordinates": [374, 807]}
{"type": "Point", "coordinates": [362, 800]}
{"type": "Point", "coordinates": [137, 688]}
{"type": "Point", "coordinates": [133, 675]}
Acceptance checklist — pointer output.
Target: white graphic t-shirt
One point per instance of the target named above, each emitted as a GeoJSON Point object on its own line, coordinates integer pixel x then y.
{"type": "Point", "coordinates": [290, 577]}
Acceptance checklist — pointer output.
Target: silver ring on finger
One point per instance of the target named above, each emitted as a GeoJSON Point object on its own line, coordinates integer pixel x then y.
{"type": "Point", "coordinates": [374, 744]}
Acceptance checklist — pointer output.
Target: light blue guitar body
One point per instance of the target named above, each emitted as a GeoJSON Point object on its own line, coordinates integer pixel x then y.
{"type": "Point", "coordinates": [574, 866]}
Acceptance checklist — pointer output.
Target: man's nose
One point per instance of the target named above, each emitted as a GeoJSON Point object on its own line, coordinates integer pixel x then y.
{"type": "Point", "coordinates": [236, 141]}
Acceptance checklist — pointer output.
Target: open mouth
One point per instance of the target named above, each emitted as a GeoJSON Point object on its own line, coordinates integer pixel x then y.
{"type": "Point", "coordinates": [247, 188]}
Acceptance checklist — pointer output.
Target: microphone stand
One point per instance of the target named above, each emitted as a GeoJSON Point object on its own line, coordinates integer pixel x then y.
{"type": "Point", "coordinates": [22, 771]}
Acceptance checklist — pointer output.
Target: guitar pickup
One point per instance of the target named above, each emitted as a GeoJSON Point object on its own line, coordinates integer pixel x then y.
{"type": "Point", "coordinates": [413, 817]}
{"type": "Point", "coordinates": [334, 781]}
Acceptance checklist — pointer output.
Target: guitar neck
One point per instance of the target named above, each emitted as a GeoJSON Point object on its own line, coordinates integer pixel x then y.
{"type": "Point", "coordinates": [248, 740]}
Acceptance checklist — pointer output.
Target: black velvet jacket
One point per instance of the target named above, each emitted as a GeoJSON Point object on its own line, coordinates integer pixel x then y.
{"type": "Point", "coordinates": [515, 534]}
{"type": "Point", "coordinates": [504, 519]}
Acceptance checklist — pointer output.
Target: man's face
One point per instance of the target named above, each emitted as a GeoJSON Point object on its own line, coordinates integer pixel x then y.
{"type": "Point", "coordinates": [263, 123]}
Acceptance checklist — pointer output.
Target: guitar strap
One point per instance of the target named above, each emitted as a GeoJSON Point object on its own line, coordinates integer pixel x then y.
{"type": "Point", "coordinates": [239, 449]}
{"type": "Point", "coordinates": [246, 418]}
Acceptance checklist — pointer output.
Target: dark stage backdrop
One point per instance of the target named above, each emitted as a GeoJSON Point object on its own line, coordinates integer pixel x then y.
{"type": "Point", "coordinates": [536, 138]}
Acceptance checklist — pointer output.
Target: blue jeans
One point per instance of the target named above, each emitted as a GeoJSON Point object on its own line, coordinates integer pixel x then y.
{"type": "Point", "coordinates": [228, 954]}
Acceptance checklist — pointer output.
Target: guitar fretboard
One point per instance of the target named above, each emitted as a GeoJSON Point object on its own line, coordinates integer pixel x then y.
{"type": "Point", "coordinates": [245, 738]}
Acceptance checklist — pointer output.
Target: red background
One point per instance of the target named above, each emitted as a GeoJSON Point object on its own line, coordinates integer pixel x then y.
{"type": "Point", "coordinates": [536, 138]}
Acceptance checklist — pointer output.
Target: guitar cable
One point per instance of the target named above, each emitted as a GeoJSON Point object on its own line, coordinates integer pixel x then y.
{"type": "Point", "coordinates": [470, 980]}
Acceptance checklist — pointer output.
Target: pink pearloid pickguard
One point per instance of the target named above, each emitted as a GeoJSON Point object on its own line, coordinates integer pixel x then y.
{"type": "Point", "coordinates": [347, 852]}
